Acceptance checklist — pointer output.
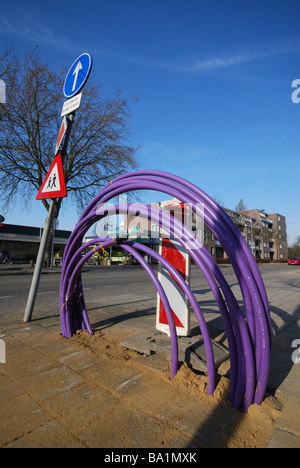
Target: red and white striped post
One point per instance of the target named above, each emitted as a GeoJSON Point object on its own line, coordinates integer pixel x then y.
{"type": "Point", "coordinates": [172, 250]}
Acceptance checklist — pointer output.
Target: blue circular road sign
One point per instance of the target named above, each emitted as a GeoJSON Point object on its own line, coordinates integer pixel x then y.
{"type": "Point", "coordinates": [77, 75]}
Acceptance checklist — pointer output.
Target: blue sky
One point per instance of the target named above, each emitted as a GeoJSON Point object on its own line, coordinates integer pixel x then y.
{"type": "Point", "coordinates": [213, 80]}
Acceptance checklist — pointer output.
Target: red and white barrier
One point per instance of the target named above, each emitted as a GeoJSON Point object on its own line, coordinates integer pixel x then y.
{"type": "Point", "coordinates": [171, 250]}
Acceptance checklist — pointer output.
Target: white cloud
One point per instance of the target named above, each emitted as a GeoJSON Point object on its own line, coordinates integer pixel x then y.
{"type": "Point", "coordinates": [237, 56]}
{"type": "Point", "coordinates": [243, 55]}
{"type": "Point", "coordinates": [29, 28]}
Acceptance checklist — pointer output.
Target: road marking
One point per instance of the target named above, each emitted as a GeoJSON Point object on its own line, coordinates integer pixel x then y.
{"type": "Point", "coordinates": [47, 292]}
{"type": "Point", "coordinates": [4, 297]}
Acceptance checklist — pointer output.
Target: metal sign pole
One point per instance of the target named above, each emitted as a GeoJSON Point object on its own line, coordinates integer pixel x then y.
{"type": "Point", "coordinates": [74, 82]}
{"type": "Point", "coordinates": [39, 265]}
{"type": "Point", "coordinates": [45, 238]}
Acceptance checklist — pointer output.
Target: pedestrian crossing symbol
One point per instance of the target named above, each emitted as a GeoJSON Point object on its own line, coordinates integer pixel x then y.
{"type": "Point", "coordinates": [54, 185]}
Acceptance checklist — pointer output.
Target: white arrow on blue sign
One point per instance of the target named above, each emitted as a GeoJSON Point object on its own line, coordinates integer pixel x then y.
{"type": "Point", "coordinates": [77, 75]}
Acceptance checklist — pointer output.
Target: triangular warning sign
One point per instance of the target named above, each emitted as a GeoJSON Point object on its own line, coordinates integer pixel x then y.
{"type": "Point", "coordinates": [54, 185]}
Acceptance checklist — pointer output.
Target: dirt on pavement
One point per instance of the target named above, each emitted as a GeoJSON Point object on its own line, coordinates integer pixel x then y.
{"type": "Point", "coordinates": [181, 403]}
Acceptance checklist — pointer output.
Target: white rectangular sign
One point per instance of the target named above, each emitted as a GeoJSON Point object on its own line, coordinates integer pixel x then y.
{"type": "Point", "coordinates": [71, 105]}
{"type": "Point", "coordinates": [175, 254]}
{"type": "Point", "coordinates": [62, 132]}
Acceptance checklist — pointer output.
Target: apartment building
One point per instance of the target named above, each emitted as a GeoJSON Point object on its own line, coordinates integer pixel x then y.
{"type": "Point", "coordinates": [272, 234]}
{"type": "Point", "coordinates": [264, 233]}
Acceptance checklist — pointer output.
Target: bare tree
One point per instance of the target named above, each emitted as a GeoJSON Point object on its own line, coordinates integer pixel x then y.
{"type": "Point", "coordinates": [100, 146]}
{"type": "Point", "coordinates": [241, 205]}
{"type": "Point", "coordinates": [294, 249]}
{"type": "Point", "coordinates": [6, 59]}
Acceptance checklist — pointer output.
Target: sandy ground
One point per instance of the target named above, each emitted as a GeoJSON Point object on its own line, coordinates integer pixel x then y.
{"type": "Point", "coordinates": [181, 403]}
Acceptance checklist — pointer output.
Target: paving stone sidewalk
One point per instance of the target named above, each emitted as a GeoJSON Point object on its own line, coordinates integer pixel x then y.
{"type": "Point", "coordinates": [49, 396]}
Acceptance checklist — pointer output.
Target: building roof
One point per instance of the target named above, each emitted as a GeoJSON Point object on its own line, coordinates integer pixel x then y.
{"type": "Point", "coordinates": [14, 232]}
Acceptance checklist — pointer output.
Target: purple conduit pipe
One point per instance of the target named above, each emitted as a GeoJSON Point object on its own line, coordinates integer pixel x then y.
{"type": "Point", "coordinates": [248, 352]}
{"type": "Point", "coordinates": [166, 304]}
{"type": "Point", "coordinates": [128, 246]}
{"type": "Point", "coordinates": [241, 277]}
{"type": "Point", "coordinates": [106, 242]}
{"type": "Point", "coordinates": [124, 209]}
{"type": "Point", "coordinates": [194, 303]}
{"type": "Point", "coordinates": [177, 229]}
{"type": "Point", "coordinates": [76, 270]}
{"type": "Point", "coordinates": [92, 215]}
{"type": "Point", "coordinates": [254, 284]}
{"type": "Point", "coordinates": [252, 337]}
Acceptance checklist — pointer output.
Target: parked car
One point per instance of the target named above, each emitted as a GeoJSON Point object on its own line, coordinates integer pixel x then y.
{"type": "Point", "coordinates": [294, 261]}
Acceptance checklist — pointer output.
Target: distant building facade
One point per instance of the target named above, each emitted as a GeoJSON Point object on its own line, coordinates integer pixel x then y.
{"type": "Point", "coordinates": [22, 242]}
{"type": "Point", "coordinates": [265, 234]}
{"type": "Point", "coordinates": [272, 231]}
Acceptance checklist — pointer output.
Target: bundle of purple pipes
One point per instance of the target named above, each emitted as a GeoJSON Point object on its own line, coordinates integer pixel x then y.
{"type": "Point", "coordinates": [248, 334]}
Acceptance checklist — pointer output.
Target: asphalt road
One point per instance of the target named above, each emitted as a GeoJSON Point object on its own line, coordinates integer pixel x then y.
{"type": "Point", "coordinates": [105, 285]}
{"type": "Point", "coordinates": [100, 284]}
